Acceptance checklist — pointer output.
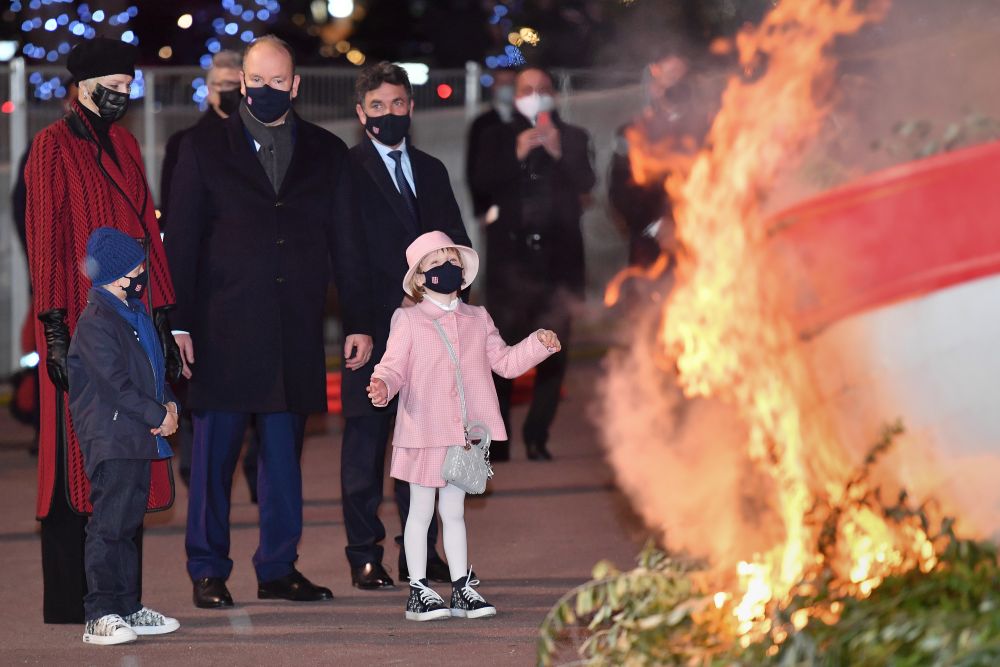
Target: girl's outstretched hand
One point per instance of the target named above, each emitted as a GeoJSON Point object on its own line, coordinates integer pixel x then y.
{"type": "Point", "coordinates": [549, 339]}
{"type": "Point", "coordinates": [378, 393]}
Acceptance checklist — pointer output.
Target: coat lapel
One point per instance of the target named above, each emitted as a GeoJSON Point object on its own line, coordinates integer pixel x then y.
{"type": "Point", "coordinates": [244, 158]}
{"type": "Point", "coordinates": [377, 170]}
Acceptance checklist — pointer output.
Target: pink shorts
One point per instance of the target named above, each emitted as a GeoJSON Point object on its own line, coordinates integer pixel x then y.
{"type": "Point", "coordinates": [419, 465]}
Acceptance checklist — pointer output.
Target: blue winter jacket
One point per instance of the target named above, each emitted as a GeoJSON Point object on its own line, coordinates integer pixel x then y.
{"type": "Point", "coordinates": [114, 399]}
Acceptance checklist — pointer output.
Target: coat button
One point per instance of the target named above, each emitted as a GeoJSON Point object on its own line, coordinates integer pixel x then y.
{"type": "Point", "coordinates": [279, 280]}
{"type": "Point", "coordinates": [454, 392]}
{"type": "Point", "coordinates": [280, 242]}
{"type": "Point", "coordinates": [456, 420]}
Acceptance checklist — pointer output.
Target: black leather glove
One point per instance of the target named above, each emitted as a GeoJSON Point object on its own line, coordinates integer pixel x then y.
{"type": "Point", "coordinates": [57, 346]}
{"type": "Point", "coordinates": [171, 353]}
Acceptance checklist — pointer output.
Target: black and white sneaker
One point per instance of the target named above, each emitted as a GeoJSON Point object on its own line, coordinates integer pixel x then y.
{"type": "Point", "coordinates": [149, 622]}
{"type": "Point", "coordinates": [466, 602]}
{"type": "Point", "coordinates": [424, 603]}
{"type": "Point", "coordinates": [108, 630]}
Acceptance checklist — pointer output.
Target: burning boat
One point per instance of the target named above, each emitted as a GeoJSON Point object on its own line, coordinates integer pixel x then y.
{"type": "Point", "coordinates": [792, 340]}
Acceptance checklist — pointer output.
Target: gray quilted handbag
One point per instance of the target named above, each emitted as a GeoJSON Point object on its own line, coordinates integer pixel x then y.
{"type": "Point", "coordinates": [467, 466]}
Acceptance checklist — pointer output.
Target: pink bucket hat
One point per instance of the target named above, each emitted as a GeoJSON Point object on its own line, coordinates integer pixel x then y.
{"type": "Point", "coordinates": [428, 243]}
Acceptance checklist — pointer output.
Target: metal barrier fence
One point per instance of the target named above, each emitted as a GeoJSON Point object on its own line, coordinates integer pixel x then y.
{"type": "Point", "coordinates": [326, 95]}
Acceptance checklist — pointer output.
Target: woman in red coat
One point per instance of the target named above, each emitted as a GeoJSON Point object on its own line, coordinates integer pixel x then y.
{"type": "Point", "coordinates": [84, 172]}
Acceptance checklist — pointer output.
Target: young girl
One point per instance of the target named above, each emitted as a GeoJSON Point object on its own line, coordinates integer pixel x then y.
{"type": "Point", "coordinates": [418, 365]}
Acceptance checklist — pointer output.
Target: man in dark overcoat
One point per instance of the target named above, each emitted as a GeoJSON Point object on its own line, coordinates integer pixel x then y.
{"type": "Point", "coordinates": [401, 192]}
{"type": "Point", "coordinates": [259, 211]}
{"type": "Point", "coordinates": [538, 170]}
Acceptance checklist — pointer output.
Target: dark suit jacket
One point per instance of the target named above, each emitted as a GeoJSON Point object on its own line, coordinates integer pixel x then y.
{"type": "Point", "coordinates": [381, 212]}
{"type": "Point", "coordinates": [172, 153]}
{"type": "Point", "coordinates": [252, 266]}
{"type": "Point", "coordinates": [112, 397]}
{"type": "Point", "coordinates": [538, 197]}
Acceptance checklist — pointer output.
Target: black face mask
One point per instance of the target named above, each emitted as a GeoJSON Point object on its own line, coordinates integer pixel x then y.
{"type": "Point", "coordinates": [137, 286]}
{"type": "Point", "coordinates": [268, 104]}
{"type": "Point", "coordinates": [389, 129]}
{"type": "Point", "coordinates": [111, 104]}
{"type": "Point", "coordinates": [443, 279]}
{"type": "Point", "coordinates": [229, 101]}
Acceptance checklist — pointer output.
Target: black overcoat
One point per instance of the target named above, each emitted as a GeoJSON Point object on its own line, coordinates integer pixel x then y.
{"type": "Point", "coordinates": [252, 266]}
{"type": "Point", "coordinates": [540, 202]}
{"type": "Point", "coordinates": [381, 210]}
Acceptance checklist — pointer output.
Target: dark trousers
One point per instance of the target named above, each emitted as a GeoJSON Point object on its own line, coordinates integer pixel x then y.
{"type": "Point", "coordinates": [64, 579]}
{"type": "Point", "coordinates": [119, 491]}
{"type": "Point", "coordinates": [218, 438]}
{"type": "Point", "coordinates": [362, 471]}
{"type": "Point", "coordinates": [549, 377]}
{"type": "Point", "coordinates": [183, 444]}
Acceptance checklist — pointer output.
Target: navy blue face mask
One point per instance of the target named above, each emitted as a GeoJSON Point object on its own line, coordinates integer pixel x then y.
{"type": "Point", "coordinates": [137, 286]}
{"type": "Point", "coordinates": [268, 104]}
{"type": "Point", "coordinates": [443, 279]}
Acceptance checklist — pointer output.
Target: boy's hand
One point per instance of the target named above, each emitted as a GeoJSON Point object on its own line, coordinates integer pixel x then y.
{"type": "Point", "coordinates": [378, 393]}
{"type": "Point", "coordinates": [169, 425]}
{"type": "Point", "coordinates": [550, 340]}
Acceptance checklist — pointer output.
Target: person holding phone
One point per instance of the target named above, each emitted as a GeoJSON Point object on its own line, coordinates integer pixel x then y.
{"type": "Point", "coordinates": [538, 170]}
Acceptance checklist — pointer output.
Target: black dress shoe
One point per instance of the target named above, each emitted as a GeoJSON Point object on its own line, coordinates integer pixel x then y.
{"type": "Point", "coordinates": [211, 593]}
{"type": "Point", "coordinates": [537, 452]}
{"type": "Point", "coordinates": [294, 587]}
{"type": "Point", "coordinates": [371, 577]}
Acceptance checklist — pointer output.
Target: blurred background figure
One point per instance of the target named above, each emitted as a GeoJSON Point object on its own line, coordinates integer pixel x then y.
{"type": "Point", "coordinates": [672, 118]}
{"type": "Point", "coordinates": [223, 81]}
{"type": "Point", "coordinates": [501, 111]}
{"type": "Point", "coordinates": [537, 170]}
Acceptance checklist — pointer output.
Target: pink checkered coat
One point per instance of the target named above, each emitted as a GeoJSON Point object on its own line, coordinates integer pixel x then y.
{"type": "Point", "coordinates": [416, 364]}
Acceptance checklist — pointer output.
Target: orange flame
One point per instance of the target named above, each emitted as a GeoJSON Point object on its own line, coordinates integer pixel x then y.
{"type": "Point", "coordinates": [726, 325]}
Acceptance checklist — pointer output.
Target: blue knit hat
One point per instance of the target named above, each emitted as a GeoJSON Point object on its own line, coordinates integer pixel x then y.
{"type": "Point", "coordinates": [110, 255]}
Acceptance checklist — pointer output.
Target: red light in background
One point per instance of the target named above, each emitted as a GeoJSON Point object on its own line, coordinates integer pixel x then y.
{"type": "Point", "coordinates": [8, 106]}
{"type": "Point", "coordinates": [444, 91]}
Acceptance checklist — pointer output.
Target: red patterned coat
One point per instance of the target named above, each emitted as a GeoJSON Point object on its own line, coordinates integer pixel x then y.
{"type": "Point", "coordinates": [69, 196]}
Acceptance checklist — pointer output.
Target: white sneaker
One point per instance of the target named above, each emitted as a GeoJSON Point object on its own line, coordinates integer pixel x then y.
{"type": "Point", "coordinates": [149, 622]}
{"type": "Point", "coordinates": [108, 630]}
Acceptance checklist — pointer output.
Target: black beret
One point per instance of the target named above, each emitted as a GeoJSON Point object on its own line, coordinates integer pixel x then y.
{"type": "Point", "coordinates": [101, 57]}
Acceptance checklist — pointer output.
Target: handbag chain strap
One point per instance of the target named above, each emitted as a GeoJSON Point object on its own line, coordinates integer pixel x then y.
{"type": "Point", "coordinates": [458, 374]}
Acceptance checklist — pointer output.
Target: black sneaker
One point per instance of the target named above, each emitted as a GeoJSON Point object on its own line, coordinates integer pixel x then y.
{"type": "Point", "coordinates": [425, 604]}
{"type": "Point", "coordinates": [466, 602]}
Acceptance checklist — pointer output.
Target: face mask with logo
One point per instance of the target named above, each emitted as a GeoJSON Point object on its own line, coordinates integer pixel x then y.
{"type": "Point", "coordinates": [229, 101]}
{"type": "Point", "coordinates": [443, 279]}
{"type": "Point", "coordinates": [136, 286]}
{"type": "Point", "coordinates": [531, 105]}
{"type": "Point", "coordinates": [111, 104]}
{"type": "Point", "coordinates": [268, 104]}
{"type": "Point", "coordinates": [389, 129]}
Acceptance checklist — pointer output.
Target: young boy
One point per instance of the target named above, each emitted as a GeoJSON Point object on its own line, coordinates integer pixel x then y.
{"type": "Point", "coordinates": [122, 408]}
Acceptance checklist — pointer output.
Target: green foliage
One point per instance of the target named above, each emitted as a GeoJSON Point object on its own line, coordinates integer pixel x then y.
{"type": "Point", "coordinates": [657, 613]}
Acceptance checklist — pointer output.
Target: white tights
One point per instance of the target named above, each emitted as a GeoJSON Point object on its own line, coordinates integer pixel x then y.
{"type": "Point", "coordinates": [451, 508]}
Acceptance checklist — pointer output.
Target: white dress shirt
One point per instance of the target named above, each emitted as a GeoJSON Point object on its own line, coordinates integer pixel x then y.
{"type": "Point", "coordinates": [390, 164]}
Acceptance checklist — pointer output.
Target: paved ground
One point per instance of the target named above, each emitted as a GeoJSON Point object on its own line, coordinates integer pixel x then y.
{"type": "Point", "coordinates": [537, 535]}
